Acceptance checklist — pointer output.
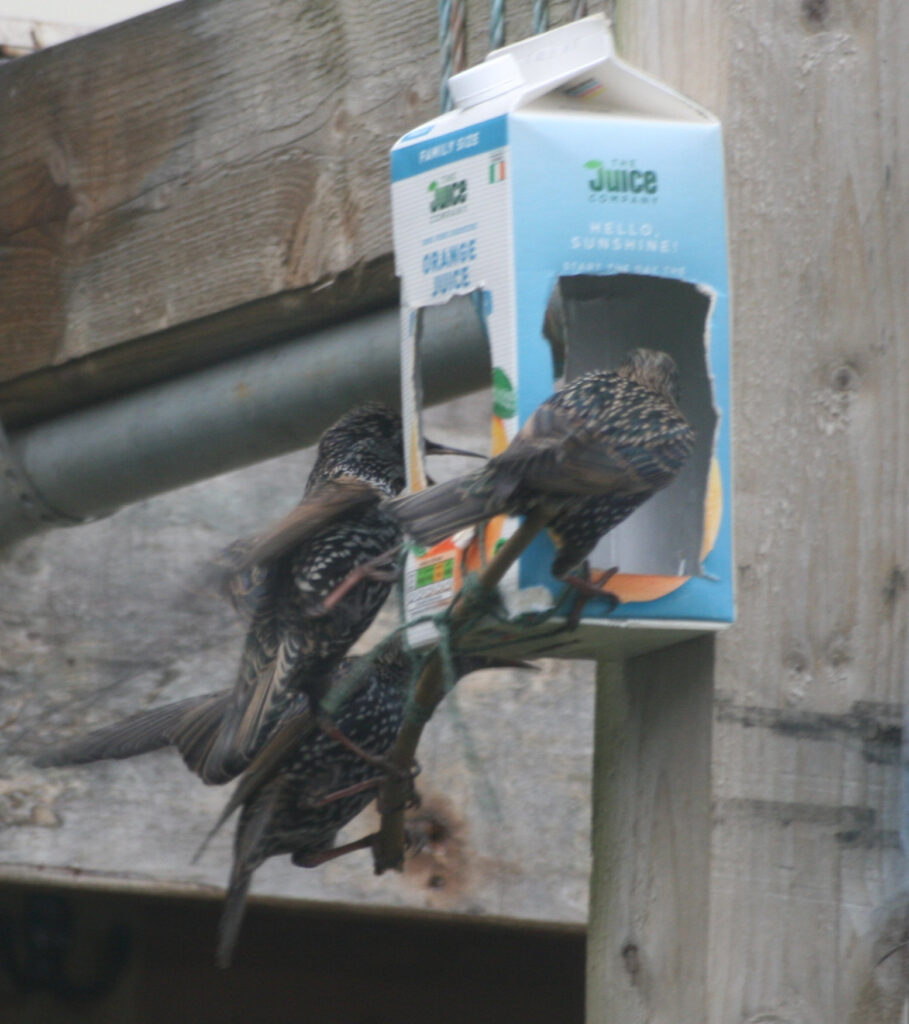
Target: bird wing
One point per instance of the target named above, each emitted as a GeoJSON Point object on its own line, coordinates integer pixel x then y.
{"type": "Point", "coordinates": [271, 684]}
{"type": "Point", "coordinates": [241, 572]}
{"type": "Point", "coordinates": [253, 694]}
{"type": "Point", "coordinates": [233, 576]}
{"type": "Point", "coordinates": [280, 746]}
{"type": "Point", "coordinates": [627, 460]}
{"type": "Point", "coordinates": [631, 443]}
{"type": "Point", "coordinates": [325, 504]}
{"type": "Point", "coordinates": [534, 452]}
{"type": "Point", "coordinates": [557, 452]}
{"type": "Point", "coordinates": [294, 642]}
{"type": "Point", "coordinates": [288, 738]}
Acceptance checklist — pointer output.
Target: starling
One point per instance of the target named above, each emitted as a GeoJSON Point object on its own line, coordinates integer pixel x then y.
{"type": "Point", "coordinates": [281, 582]}
{"type": "Point", "coordinates": [589, 455]}
{"type": "Point", "coordinates": [324, 783]}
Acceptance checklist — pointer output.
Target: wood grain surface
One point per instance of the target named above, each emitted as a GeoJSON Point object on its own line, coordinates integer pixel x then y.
{"type": "Point", "coordinates": [804, 877]}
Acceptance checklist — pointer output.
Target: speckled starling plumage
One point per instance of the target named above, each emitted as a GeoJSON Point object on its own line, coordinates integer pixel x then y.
{"type": "Point", "coordinates": [280, 581]}
{"type": "Point", "coordinates": [285, 816]}
{"type": "Point", "coordinates": [591, 454]}
{"type": "Point", "coordinates": [289, 814]}
{"type": "Point", "coordinates": [294, 643]}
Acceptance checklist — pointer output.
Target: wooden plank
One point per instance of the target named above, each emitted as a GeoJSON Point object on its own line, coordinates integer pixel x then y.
{"type": "Point", "coordinates": [202, 180]}
{"type": "Point", "coordinates": [318, 963]}
{"type": "Point", "coordinates": [651, 838]}
{"type": "Point", "coordinates": [192, 346]}
{"type": "Point", "coordinates": [806, 880]}
{"type": "Point", "coordinates": [202, 159]}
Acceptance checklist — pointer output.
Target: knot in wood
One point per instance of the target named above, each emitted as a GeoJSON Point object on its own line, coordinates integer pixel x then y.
{"type": "Point", "coordinates": [845, 378]}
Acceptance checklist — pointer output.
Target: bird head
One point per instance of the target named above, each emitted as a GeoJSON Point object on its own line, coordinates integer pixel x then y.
{"type": "Point", "coordinates": [368, 443]}
{"type": "Point", "coordinates": [654, 369]}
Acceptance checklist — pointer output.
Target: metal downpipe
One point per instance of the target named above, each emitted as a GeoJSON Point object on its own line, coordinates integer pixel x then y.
{"type": "Point", "coordinates": [90, 462]}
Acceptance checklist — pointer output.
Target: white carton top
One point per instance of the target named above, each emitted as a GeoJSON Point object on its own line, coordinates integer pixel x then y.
{"type": "Point", "coordinates": [524, 71]}
{"type": "Point", "coordinates": [537, 64]}
{"type": "Point", "coordinates": [486, 81]}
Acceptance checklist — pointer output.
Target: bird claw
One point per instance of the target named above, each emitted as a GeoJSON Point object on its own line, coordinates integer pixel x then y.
{"type": "Point", "coordinates": [590, 590]}
{"type": "Point", "coordinates": [400, 774]}
{"type": "Point", "coordinates": [391, 771]}
{"type": "Point", "coordinates": [587, 591]}
{"type": "Point", "coordinates": [324, 799]}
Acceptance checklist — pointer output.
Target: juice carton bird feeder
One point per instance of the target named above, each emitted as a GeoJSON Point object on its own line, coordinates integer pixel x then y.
{"type": "Point", "coordinates": [580, 204]}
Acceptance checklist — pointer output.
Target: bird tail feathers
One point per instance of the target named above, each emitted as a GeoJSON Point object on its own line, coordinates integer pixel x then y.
{"type": "Point", "coordinates": [439, 511]}
{"type": "Point", "coordinates": [175, 724]}
{"type": "Point", "coordinates": [232, 914]}
{"type": "Point", "coordinates": [247, 857]}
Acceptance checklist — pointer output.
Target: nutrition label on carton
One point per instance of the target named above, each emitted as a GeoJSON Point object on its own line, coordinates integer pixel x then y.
{"type": "Point", "coordinates": [429, 594]}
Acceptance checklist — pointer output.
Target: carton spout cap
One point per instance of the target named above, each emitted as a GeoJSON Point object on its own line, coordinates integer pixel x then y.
{"type": "Point", "coordinates": [485, 81]}
{"type": "Point", "coordinates": [536, 65]}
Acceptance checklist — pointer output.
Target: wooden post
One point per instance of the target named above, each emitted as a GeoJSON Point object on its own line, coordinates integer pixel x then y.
{"type": "Point", "coordinates": [783, 910]}
{"type": "Point", "coordinates": [647, 951]}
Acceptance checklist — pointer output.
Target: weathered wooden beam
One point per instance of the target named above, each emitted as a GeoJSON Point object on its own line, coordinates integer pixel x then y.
{"type": "Point", "coordinates": [198, 181]}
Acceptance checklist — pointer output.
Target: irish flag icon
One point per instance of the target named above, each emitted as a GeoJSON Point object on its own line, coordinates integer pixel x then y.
{"type": "Point", "coordinates": [496, 171]}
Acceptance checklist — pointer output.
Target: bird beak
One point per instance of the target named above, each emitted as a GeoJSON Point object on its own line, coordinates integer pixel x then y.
{"type": "Point", "coordinates": [434, 448]}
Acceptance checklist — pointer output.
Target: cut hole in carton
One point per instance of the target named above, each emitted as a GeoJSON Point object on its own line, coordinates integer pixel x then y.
{"type": "Point", "coordinates": [591, 323]}
{"type": "Point", "coordinates": [448, 422]}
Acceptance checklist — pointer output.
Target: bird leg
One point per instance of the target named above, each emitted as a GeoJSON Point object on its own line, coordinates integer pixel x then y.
{"type": "Point", "coordinates": [377, 761]}
{"type": "Point", "coordinates": [313, 860]}
{"type": "Point", "coordinates": [384, 765]}
{"type": "Point", "coordinates": [340, 794]}
{"type": "Point", "coordinates": [587, 591]}
{"type": "Point", "coordinates": [375, 569]}
{"type": "Point", "coordinates": [413, 800]}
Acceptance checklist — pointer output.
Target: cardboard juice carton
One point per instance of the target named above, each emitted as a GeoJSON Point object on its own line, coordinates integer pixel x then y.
{"type": "Point", "coordinates": [576, 205]}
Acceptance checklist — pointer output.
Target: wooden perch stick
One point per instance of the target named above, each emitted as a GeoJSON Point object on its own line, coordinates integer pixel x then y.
{"type": "Point", "coordinates": [388, 847]}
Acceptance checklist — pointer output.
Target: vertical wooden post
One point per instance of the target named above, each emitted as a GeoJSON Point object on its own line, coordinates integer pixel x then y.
{"type": "Point", "coordinates": [771, 890]}
{"type": "Point", "coordinates": [647, 951]}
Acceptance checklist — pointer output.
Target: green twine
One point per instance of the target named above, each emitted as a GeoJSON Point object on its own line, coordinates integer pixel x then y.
{"type": "Point", "coordinates": [481, 602]}
{"type": "Point", "coordinates": [540, 16]}
{"type": "Point", "coordinates": [497, 24]}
